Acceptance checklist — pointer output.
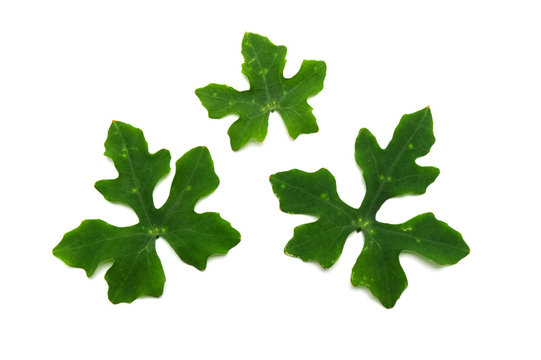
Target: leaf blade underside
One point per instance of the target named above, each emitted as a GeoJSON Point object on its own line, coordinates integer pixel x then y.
{"type": "Point", "coordinates": [136, 269]}
{"type": "Point", "coordinates": [387, 173]}
{"type": "Point", "coordinates": [269, 91]}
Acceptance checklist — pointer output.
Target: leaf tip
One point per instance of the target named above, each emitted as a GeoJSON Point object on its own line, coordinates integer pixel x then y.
{"type": "Point", "coordinates": [363, 130]}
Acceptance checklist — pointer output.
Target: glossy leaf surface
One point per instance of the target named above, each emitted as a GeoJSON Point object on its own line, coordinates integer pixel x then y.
{"type": "Point", "coordinates": [269, 91]}
{"type": "Point", "coordinates": [388, 173]}
{"type": "Point", "coordinates": [136, 269]}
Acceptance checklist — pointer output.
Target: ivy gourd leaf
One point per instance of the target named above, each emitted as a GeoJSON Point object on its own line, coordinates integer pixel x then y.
{"type": "Point", "coordinates": [269, 91]}
{"type": "Point", "coordinates": [136, 269]}
{"type": "Point", "coordinates": [388, 173]}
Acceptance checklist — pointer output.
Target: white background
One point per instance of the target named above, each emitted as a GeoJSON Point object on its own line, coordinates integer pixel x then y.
{"type": "Point", "coordinates": [68, 68]}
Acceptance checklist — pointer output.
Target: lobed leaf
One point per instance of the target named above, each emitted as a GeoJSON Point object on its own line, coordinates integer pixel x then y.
{"type": "Point", "coordinates": [136, 269]}
{"type": "Point", "coordinates": [269, 91]}
{"type": "Point", "coordinates": [388, 173]}
{"type": "Point", "coordinates": [315, 194]}
{"type": "Point", "coordinates": [393, 172]}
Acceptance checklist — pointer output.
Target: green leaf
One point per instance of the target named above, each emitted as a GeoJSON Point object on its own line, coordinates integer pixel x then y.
{"type": "Point", "coordinates": [269, 91]}
{"type": "Point", "coordinates": [388, 173]}
{"type": "Point", "coordinates": [136, 269]}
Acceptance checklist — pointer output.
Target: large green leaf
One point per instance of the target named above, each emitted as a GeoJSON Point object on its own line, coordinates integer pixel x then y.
{"type": "Point", "coordinates": [387, 173]}
{"type": "Point", "coordinates": [136, 269]}
{"type": "Point", "coordinates": [269, 91]}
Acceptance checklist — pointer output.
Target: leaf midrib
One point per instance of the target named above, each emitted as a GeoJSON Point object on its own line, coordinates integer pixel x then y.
{"type": "Point", "coordinates": [134, 179]}
{"type": "Point", "coordinates": [346, 209]}
{"type": "Point", "coordinates": [177, 202]}
{"type": "Point", "coordinates": [420, 238]}
{"type": "Point", "coordinates": [260, 68]}
{"type": "Point", "coordinates": [390, 169]}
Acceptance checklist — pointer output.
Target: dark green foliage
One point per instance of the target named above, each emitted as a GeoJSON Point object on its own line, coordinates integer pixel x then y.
{"type": "Point", "coordinates": [387, 173]}
{"type": "Point", "coordinates": [269, 91]}
{"type": "Point", "coordinates": [136, 269]}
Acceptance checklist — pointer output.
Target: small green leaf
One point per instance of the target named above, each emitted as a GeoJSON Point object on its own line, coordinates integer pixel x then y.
{"type": "Point", "coordinates": [269, 91]}
{"type": "Point", "coordinates": [387, 173]}
{"type": "Point", "coordinates": [136, 269]}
